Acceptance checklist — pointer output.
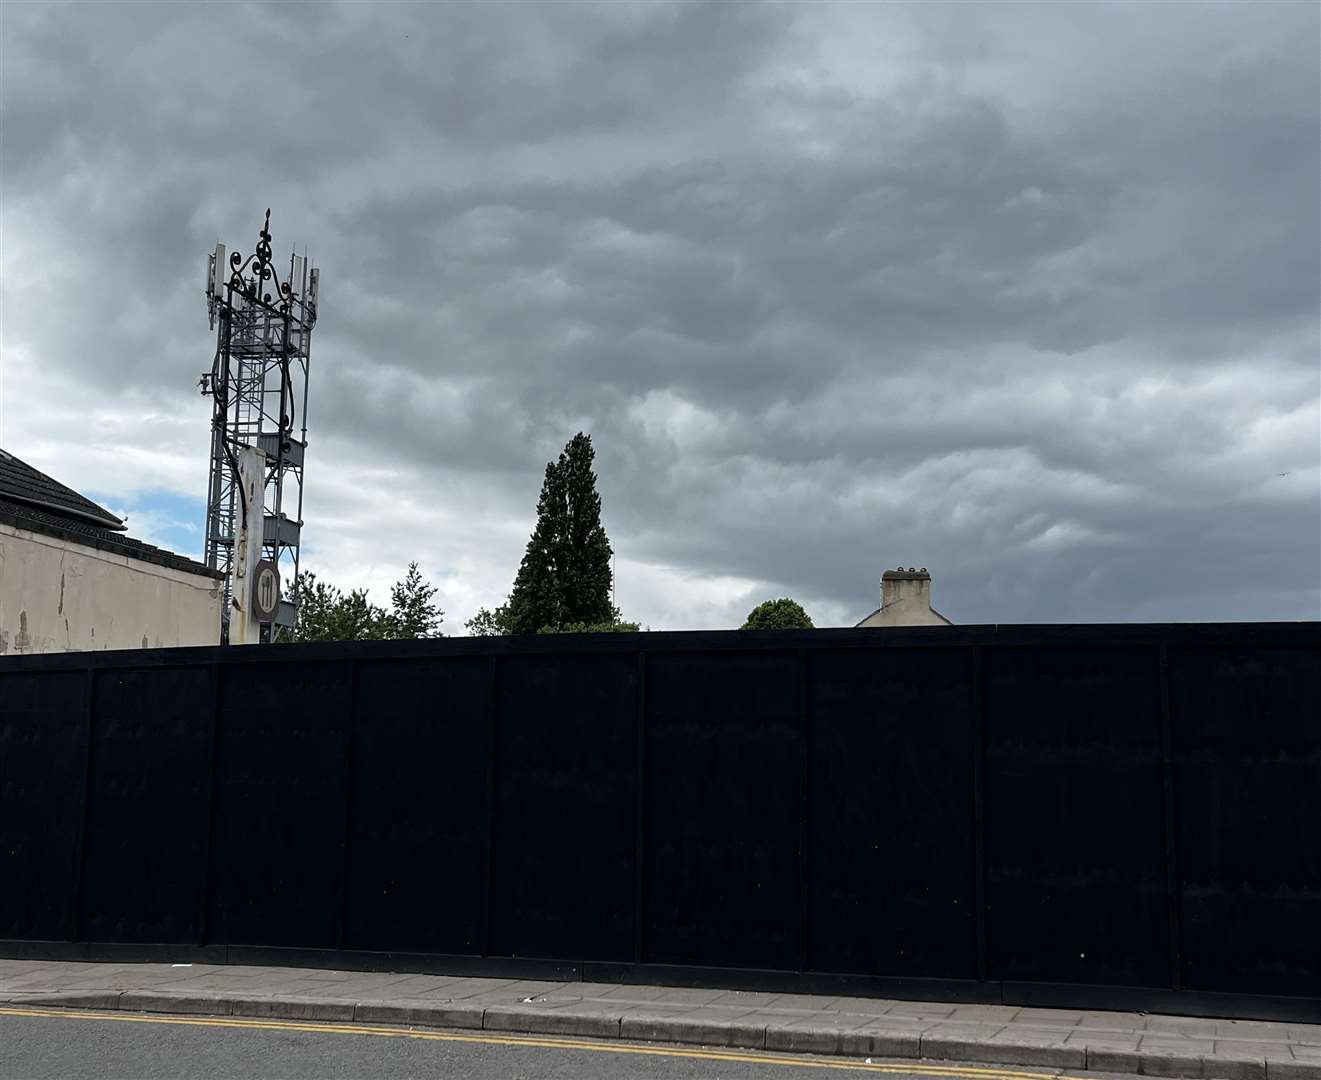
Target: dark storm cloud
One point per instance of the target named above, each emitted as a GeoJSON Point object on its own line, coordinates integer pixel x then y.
{"type": "Point", "coordinates": [1026, 295]}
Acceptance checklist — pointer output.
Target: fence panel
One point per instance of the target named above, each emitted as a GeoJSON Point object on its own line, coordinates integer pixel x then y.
{"type": "Point", "coordinates": [891, 841]}
{"type": "Point", "coordinates": [721, 810]}
{"type": "Point", "coordinates": [144, 861]}
{"type": "Point", "coordinates": [43, 761]}
{"type": "Point", "coordinates": [1247, 743]}
{"type": "Point", "coordinates": [418, 806]}
{"type": "Point", "coordinates": [278, 849]}
{"type": "Point", "coordinates": [563, 844]}
{"type": "Point", "coordinates": [1074, 811]}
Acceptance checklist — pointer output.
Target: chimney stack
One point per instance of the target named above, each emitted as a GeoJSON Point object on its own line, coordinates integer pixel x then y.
{"type": "Point", "coordinates": [906, 600]}
{"type": "Point", "coordinates": [909, 587]}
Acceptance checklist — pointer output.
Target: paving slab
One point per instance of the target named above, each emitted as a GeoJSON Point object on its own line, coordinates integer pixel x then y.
{"type": "Point", "coordinates": [746, 998]}
{"type": "Point", "coordinates": [1174, 1045]}
{"type": "Point", "coordinates": [814, 1002]}
{"type": "Point", "coordinates": [1044, 1039]}
{"type": "Point", "coordinates": [922, 1010]}
{"type": "Point", "coordinates": [1252, 1029]}
{"type": "Point", "coordinates": [1053, 1017]}
{"type": "Point", "coordinates": [1182, 1025]}
{"type": "Point", "coordinates": [1105, 1040]}
{"type": "Point", "coordinates": [987, 1014]}
{"type": "Point", "coordinates": [631, 993]}
{"type": "Point", "coordinates": [959, 1029]}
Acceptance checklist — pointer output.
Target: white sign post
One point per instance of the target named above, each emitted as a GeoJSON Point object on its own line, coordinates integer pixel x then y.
{"type": "Point", "coordinates": [244, 627]}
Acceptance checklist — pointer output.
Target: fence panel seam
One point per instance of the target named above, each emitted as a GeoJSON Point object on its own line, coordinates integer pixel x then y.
{"type": "Point", "coordinates": [639, 850]}
{"type": "Point", "coordinates": [1167, 796]}
{"type": "Point", "coordinates": [979, 806]}
{"type": "Point", "coordinates": [80, 841]}
{"type": "Point", "coordinates": [488, 861]}
{"type": "Point", "coordinates": [804, 809]}
{"type": "Point", "coordinates": [204, 915]}
{"type": "Point", "coordinates": [345, 865]}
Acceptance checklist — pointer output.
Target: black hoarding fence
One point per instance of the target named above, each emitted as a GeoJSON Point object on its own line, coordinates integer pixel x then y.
{"type": "Point", "coordinates": [1095, 816]}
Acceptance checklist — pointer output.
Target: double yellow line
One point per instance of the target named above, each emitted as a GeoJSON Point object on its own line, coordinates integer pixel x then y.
{"type": "Point", "coordinates": [970, 1072]}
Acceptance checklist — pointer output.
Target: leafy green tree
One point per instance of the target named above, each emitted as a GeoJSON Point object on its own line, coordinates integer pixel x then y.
{"type": "Point", "coordinates": [326, 613]}
{"type": "Point", "coordinates": [413, 611]}
{"type": "Point", "coordinates": [564, 579]}
{"type": "Point", "coordinates": [490, 623]}
{"type": "Point", "coordinates": [782, 614]}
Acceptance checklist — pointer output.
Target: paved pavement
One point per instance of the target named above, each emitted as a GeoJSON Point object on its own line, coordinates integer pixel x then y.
{"type": "Point", "coordinates": [852, 1027]}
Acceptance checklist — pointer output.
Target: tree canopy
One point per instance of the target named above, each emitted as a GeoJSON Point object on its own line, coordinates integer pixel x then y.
{"type": "Point", "coordinates": [782, 614]}
{"type": "Point", "coordinates": [326, 613]}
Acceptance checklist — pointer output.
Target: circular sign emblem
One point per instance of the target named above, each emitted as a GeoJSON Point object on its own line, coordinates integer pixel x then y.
{"type": "Point", "coordinates": [265, 591]}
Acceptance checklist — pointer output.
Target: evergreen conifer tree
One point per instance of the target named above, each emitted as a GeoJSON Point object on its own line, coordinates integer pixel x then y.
{"type": "Point", "coordinates": [414, 612]}
{"type": "Point", "coordinates": [565, 574]}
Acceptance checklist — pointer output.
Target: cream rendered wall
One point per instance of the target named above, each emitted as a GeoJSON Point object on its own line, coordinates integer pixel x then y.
{"type": "Point", "coordinates": [57, 596]}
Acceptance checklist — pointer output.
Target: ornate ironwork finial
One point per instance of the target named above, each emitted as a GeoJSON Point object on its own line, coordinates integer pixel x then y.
{"type": "Point", "coordinates": [260, 269]}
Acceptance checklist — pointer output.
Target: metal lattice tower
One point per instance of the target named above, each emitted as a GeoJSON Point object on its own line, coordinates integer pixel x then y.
{"type": "Point", "coordinates": [258, 383]}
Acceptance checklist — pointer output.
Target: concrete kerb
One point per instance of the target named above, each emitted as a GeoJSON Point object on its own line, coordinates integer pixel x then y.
{"type": "Point", "coordinates": [550, 1022]}
{"type": "Point", "coordinates": [695, 1032]}
{"type": "Point", "coordinates": [1006, 1053]}
{"type": "Point", "coordinates": [466, 1017]}
{"type": "Point", "coordinates": [808, 1039]}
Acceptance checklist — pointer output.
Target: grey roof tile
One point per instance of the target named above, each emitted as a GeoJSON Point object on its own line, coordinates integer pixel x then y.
{"type": "Point", "coordinates": [20, 482]}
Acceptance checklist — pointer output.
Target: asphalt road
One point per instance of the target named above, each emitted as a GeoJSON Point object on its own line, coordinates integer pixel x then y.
{"type": "Point", "coordinates": [71, 1045]}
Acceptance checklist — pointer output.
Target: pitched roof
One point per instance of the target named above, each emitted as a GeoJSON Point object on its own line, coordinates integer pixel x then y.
{"type": "Point", "coordinates": [21, 483]}
{"type": "Point", "coordinates": [31, 500]}
{"type": "Point", "coordinates": [860, 622]}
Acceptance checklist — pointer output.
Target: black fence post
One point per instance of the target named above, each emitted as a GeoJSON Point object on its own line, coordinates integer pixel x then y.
{"type": "Point", "coordinates": [488, 862]}
{"type": "Point", "coordinates": [213, 711]}
{"type": "Point", "coordinates": [639, 849]}
{"type": "Point", "coordinates": [804, 764]}
{"type": "Point", "coordinates": [345, 866]}
{"type": "Point", "coordinates": [80, 845]}
{"type": "Point", "coordinates": [1167, 789]}
{"type": "Point", "coordinates": [979, 806]}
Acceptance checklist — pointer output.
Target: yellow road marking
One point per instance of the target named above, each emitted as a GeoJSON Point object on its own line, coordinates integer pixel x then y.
{"type": "Point", "coordinates": [537, 1041]}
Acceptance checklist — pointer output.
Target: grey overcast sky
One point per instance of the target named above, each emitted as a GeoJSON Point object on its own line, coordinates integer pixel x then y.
{"type": "Point", "coordinates": [1024, 293]}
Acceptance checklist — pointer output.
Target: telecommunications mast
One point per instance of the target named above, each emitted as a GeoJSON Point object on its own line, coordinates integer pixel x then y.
{"type": "Point", "coordinates": [258, 385]}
